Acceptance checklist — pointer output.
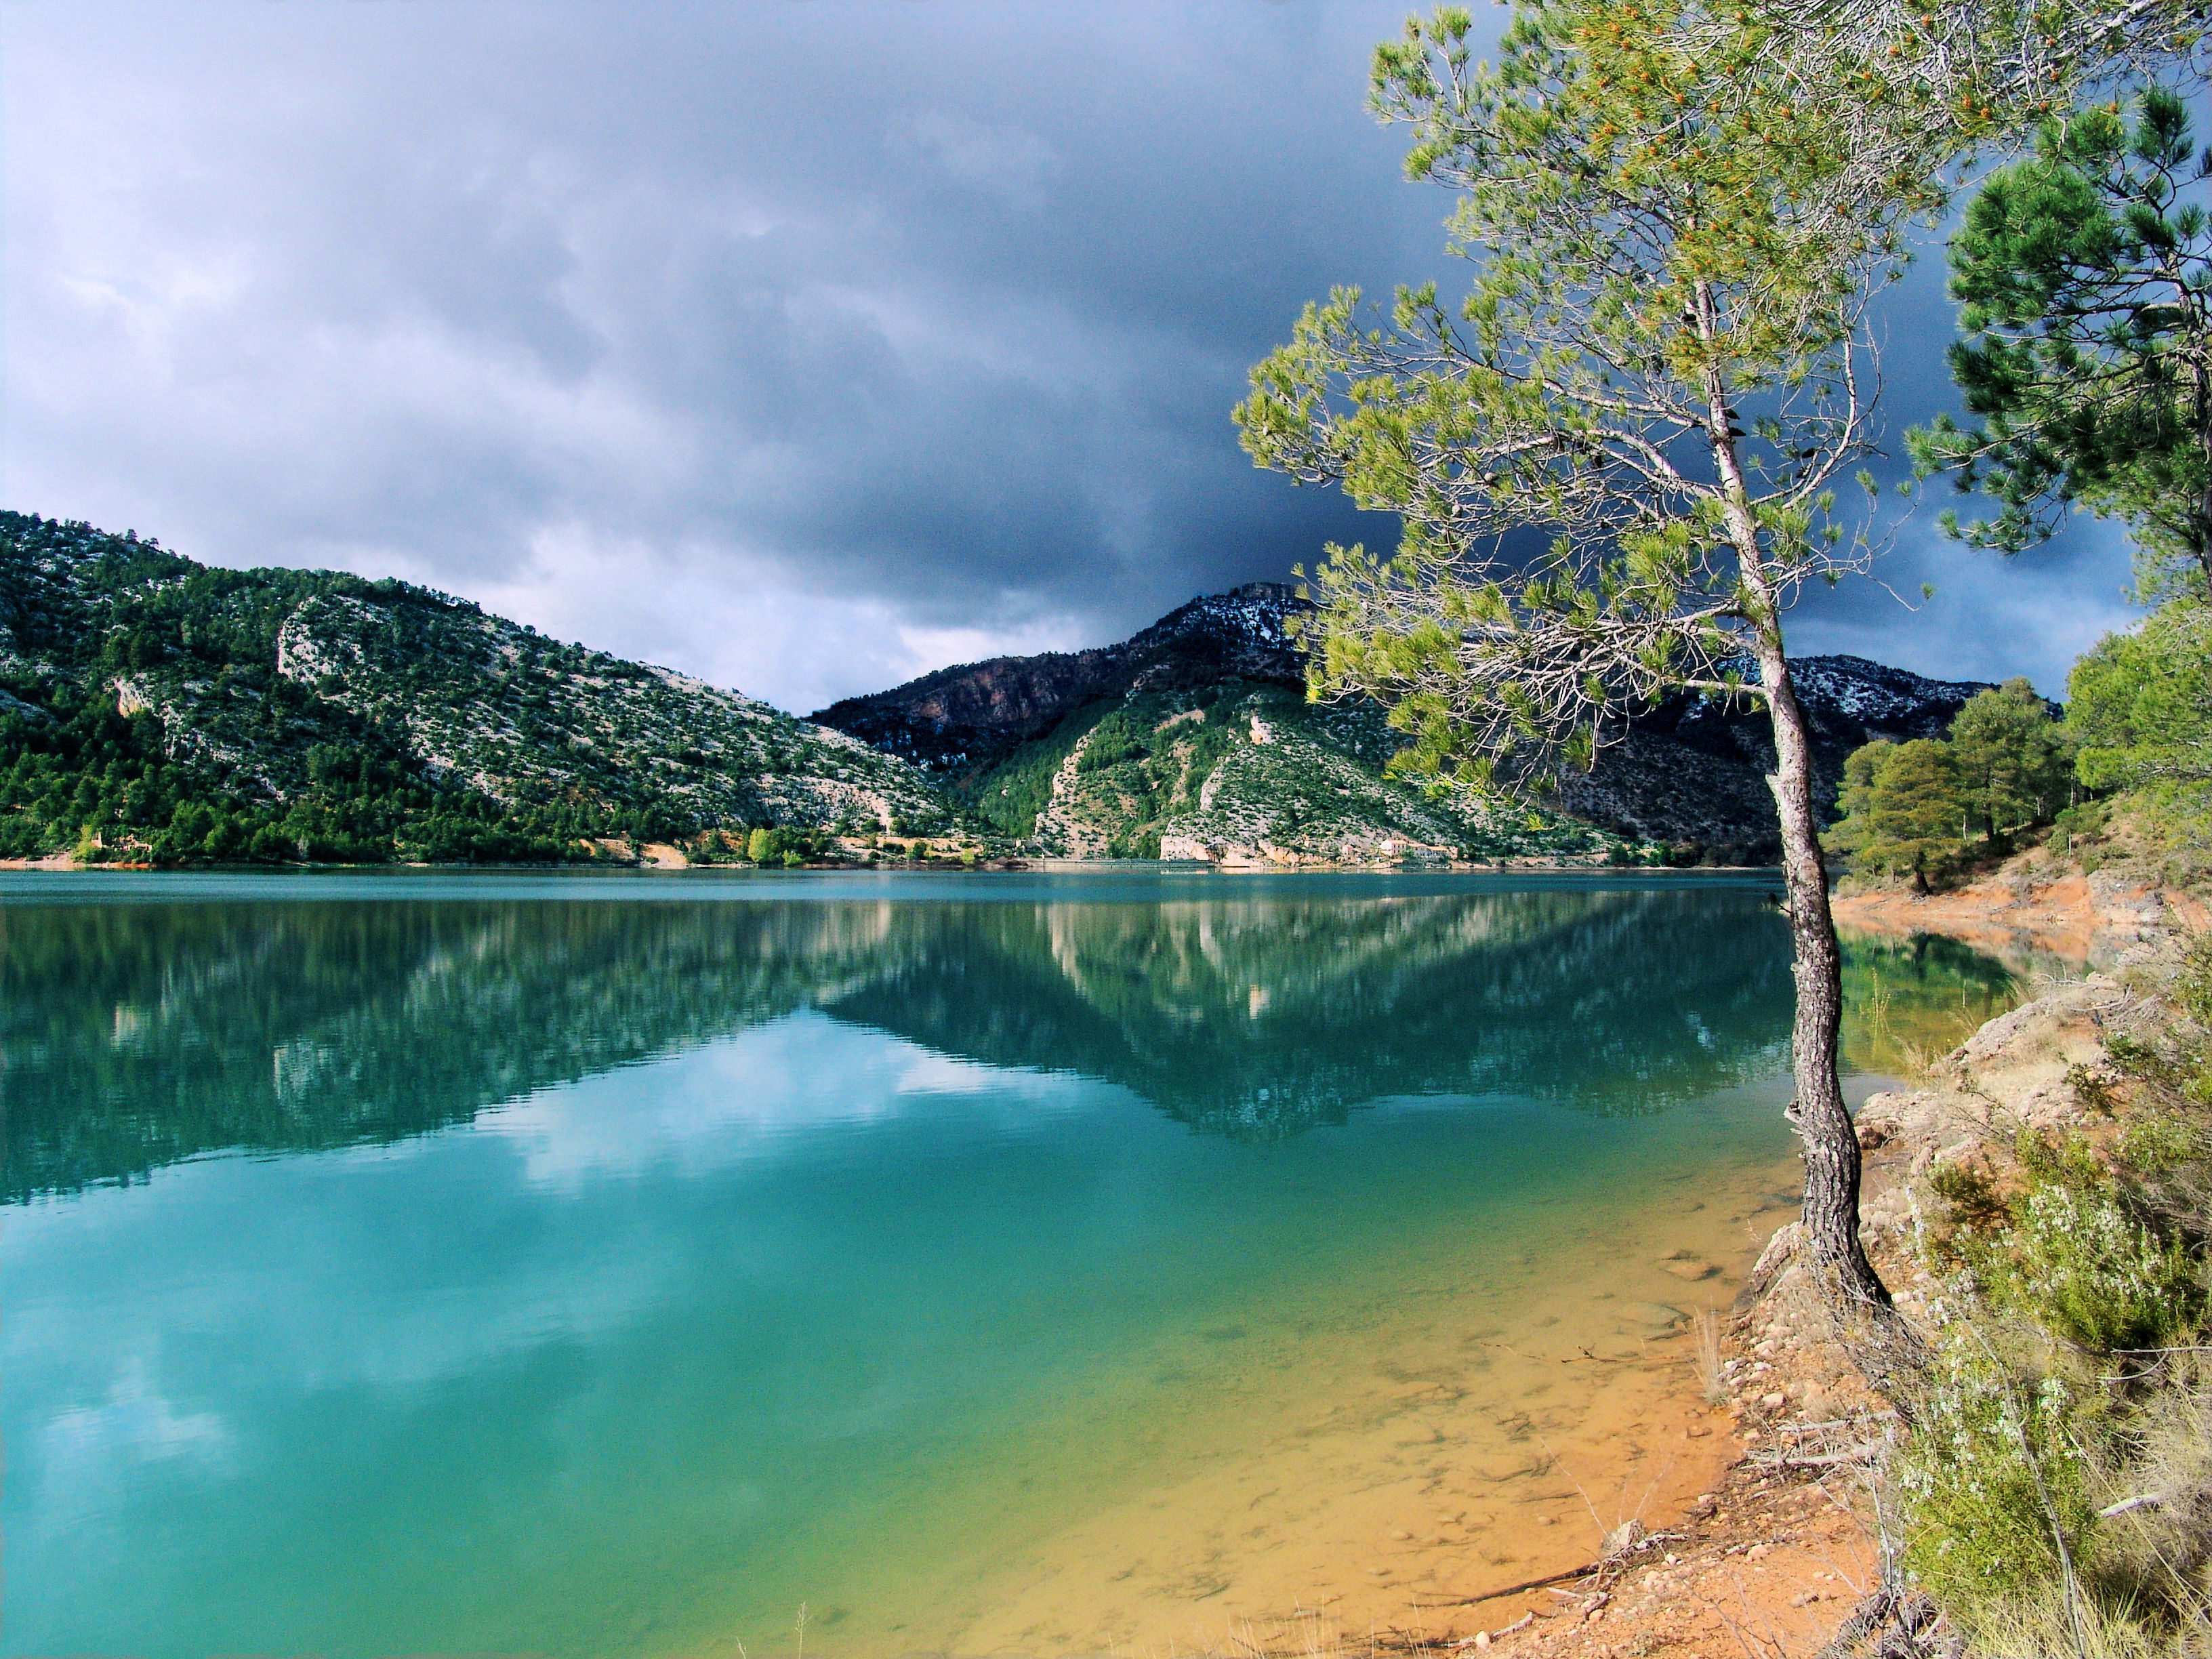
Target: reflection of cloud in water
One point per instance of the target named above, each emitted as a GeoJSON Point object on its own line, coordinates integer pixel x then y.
{"type": "Point", "coordinates": [87, 1455]}
{"type": "Point", "coordinates": [134, 1415]}
{"type": "Point", "coordinates": [767, 1093]}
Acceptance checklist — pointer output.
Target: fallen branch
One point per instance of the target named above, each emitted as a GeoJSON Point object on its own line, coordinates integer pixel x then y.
{"type": "Point", "coordinates": [2143, 1500]}
{"type": "Point", "coordinates": [1857, 1454]}
{"type": "Point", "coordinates": [1514, 1589]}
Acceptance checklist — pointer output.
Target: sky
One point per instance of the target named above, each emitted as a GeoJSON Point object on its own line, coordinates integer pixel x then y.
{"type": "Point", "coordinates": [803, 345]}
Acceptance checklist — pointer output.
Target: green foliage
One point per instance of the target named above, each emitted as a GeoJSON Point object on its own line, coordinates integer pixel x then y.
{"type": "Point", "coordinates": [99, 784]}
{"type": "Point", "coordinates": [1905, 810]}
{"type": "Point", "coordinates": [2140, 705]}
{"type": "Point", "coordinates": [1997, 1473]}
{"type": "Point", "coordinates": [1658, 363]}
{"type": "Point", "coordinates": [2070, 1374]}
{"type": "Point", "coordinates": [2093, 1277]}
{"type": "Point", "coordinates": [1993, 1480]}
{"type": "Point", "coordinates": [1919, 808]}
{"type": "Point", "coordinates": [2014, 764]}
{"type": "Point", "coordinates": [785, 847]}
{"type": "Point", "coordinates": [1009, 794]}
{"type": "Point", "coordinates": [1113, 742]}
{"type": "Point", "coordinates": [2084, 274]}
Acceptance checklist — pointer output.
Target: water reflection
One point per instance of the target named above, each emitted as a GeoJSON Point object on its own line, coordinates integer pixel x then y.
{"type": "Point", "coordinates": [1909, 1000]}
{"type": "Point", "coordinates": [135, 1034]}
{"type": "Point", "coordinates": [833, 1254]}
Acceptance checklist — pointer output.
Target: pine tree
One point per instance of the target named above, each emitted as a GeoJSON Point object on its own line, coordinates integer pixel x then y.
{"type": "Point", "coordinates": [1661, 363]}
{"type": "Point", "coordinates": [2084, 275]}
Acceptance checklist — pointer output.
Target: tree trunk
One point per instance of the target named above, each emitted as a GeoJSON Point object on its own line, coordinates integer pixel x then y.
{"type": "Point", "coordinates": [1830, 1144]}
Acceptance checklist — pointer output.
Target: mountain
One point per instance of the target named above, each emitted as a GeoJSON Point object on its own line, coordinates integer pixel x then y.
{"type": "Point", "coordinates": [153, 706]}
{"type": "Point", "coordinates": [967, 717]}
{"type": "Point", "coordinates": [156, 710]}
{"type": "Point", "coordinates": [1193, 739]}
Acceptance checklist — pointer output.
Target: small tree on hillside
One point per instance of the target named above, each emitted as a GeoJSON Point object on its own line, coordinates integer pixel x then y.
{"type": "Point", "coordinates": [2085, 280]}
{"type": "Point", "coordinates": [1662, 364]}
{"type": "Point", "coordinates": [2015, 764]}
{"type": "Point", "coordinates": [2140, 706]}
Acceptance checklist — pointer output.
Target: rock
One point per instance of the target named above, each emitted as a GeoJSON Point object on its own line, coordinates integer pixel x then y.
{"type": "Point", "coordinates": [1688, 1268]}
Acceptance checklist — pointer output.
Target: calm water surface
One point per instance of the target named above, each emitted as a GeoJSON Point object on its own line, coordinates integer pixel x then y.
{"type": "Point", "coordinates": [605, 1267]}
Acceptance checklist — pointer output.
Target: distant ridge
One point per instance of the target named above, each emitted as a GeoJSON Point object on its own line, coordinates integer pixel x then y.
{"type": "Point", "coordinates": [152, 707]}
{"type": "Point", "coordinates": [156, 710]}
{"type": "Point", "coordinates": [1689, 775]}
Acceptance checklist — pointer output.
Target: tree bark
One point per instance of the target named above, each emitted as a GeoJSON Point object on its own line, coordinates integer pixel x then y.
{"type": "Point", "coordinates": [1830, 1142]}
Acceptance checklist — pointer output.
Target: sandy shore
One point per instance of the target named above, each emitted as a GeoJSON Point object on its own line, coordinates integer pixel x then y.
{"type": "Point", "coordinates": [2034, 905]}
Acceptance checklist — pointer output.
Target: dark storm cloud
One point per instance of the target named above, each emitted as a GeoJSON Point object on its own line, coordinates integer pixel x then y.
{"type": "Point", "coordinates": [806, 347]}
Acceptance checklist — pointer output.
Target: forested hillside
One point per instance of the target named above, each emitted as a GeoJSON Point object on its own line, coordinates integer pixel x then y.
{"type": "Point", "coordinates": [156, 710]}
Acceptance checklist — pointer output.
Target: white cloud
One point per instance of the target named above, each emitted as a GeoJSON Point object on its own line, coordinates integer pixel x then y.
{"type": "Point", "coordinates": [1004, 161]}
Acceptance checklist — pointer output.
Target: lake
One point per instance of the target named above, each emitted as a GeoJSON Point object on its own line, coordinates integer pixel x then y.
{"type": "Point", "coordinates": [607, 1266]}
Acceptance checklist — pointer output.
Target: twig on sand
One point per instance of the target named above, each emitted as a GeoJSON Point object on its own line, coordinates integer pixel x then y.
{"type": "Point", "coordinates": [1514, 1589]}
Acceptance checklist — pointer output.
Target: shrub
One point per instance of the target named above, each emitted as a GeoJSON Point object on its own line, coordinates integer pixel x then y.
{"type": "Point", "coordinates": [2091, 1276]}
{"type": "Point", "coordinates": [1992, 1480]}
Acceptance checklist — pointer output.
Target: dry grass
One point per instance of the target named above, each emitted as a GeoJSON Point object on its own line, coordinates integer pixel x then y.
{"type": "Point", "coordinates": [1705, 1355]}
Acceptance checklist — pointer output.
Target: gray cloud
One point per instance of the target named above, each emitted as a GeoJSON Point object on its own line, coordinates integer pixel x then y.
{"type": "Point", "coordinates": [805, 346]}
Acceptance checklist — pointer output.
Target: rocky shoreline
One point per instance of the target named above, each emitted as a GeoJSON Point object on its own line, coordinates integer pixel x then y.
{"type": "Point", "coordinates": [1782, 1556]}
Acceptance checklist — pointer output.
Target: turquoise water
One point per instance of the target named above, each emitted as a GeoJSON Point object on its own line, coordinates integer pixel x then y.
{"type": "Point", "coordinates": [602, 1267]}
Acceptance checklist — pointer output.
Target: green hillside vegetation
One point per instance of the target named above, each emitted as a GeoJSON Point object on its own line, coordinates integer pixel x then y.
{"type": "Point", "coordinates": [1239, 765]}
{"type": "Point", "coordinates": [152, 710]}
{"type": "Point", "coordinates": [2051, 1498]}
{"type": "Point", "coordinates": [2127, 772]}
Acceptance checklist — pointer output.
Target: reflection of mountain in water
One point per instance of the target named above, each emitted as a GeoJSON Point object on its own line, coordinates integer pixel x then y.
{"type": "Point", "coordinates": [1267, 1017]}
{"type": "Point", "coordinates": [134, 1036]}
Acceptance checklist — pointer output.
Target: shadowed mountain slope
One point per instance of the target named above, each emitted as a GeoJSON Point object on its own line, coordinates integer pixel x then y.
{"type": "Point", "coordinates": [1194, 736]}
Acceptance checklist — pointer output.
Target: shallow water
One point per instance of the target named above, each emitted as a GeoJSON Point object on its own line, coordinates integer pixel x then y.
{"type": "Point", "coordinates": [606, 1266]}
